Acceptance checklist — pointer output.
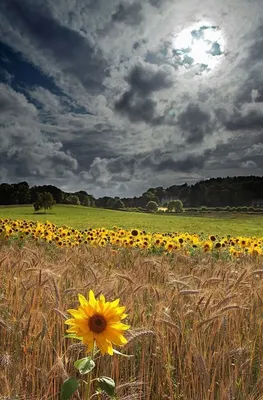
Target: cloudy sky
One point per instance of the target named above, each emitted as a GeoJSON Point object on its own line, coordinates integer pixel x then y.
{"type": "Point", "coordinates": [116, 96]}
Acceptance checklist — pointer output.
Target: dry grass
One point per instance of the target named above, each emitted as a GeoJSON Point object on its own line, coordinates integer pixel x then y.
{"type": "Point", "coordinates": [197, 323]}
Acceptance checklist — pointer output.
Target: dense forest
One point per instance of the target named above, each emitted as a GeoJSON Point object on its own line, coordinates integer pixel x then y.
{"type": "Point", "coordinates": [214, 192]}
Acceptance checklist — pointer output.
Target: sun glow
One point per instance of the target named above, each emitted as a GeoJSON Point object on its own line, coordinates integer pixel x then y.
{"type": "Point", "coordinates": [202, 44]}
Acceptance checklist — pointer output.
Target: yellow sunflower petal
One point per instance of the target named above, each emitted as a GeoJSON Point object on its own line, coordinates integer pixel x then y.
{"type": "Point", "coordinates": [83, 301]}
{"type": "Point", "coordinates": [110, 348]}
{"type": "Point", "coordinates": [115, 337]}
{"type": "Point", "coordinates": [76, 313]}
{"type": "Point", "coordinates": [92, 299]}
{"type": "Point", "coordinates": [89, 344]}
{"type": "Point", "coordinates": [119, 326]}
{"type": "Point", "coordinates": [70, 321]}
{"type": "Point", "coordinates": [104, 345]}
{"type": "Point", "coordinates": [88, 337]}
{"type": "Point", "coordinates": [115, 303]}
{"type": "Point", "coordinates": [102, 298]}
{"type": "Point", "coordinates": [88, 310]}
{"type": "Point", "coordinates": [114, 311]}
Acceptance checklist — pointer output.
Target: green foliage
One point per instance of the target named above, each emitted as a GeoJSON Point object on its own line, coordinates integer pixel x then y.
{"type": "Point", "coordinates": [175, 205]}
{"type": "Point", "coordinates": [214, 192]}
{"type": "Point", "coordinates": [150, 196]}
{"type": "Point", "coordinates": [73, 199]}
{"type": "Point", "coordinates": [44, 200]}
{"type": "Point", "coordinates": [68, 388]}
{"type": "Point", "coordinates": [115, 203]}
{"type": "Point", "coordinates": [86, 201]}
{"type": "Point", "coordinates": [107, 385]}
{"type": "Point", "coordinates": [152, 206]}
{"type": "Point", "coordinates": [84, 365]}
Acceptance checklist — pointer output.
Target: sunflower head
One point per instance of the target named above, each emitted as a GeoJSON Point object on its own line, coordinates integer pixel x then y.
{"type": "Point", "coordinates": [98, 321]}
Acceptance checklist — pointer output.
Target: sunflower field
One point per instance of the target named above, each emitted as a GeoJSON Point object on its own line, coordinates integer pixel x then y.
{"type": "Point", "coordinates": [117, 238]}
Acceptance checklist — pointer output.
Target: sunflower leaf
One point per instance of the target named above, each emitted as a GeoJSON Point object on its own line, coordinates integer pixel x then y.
{"type": "Point", "coordinates": [106, 384]}
{"type": "Point", "coordinates": [84, 365]}
{"type": "Point", "coordinates": [69, 386]}
{"type": "Point", "coordinates": [123, 355]}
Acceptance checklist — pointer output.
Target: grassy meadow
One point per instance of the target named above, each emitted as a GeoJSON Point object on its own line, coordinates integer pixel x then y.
{"type": "Point", "coordinates": [87, 217]}
{"type": "Point", "coordinates": [196, 321]}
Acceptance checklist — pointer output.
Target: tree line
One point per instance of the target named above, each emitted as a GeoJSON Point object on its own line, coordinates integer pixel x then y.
{"type": "Point", "coordinates": [214, 192]}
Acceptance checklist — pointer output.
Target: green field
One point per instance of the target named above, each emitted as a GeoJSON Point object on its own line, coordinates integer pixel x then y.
{"type": "Point", "coordinates": [85, 217]}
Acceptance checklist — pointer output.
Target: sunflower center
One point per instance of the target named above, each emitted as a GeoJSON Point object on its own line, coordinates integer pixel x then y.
{"type": "Point", "coordinates": [97, 323]}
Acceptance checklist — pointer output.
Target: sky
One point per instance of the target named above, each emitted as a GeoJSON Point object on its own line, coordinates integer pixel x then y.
{"type": "Point", "coordinates": [114, 97]}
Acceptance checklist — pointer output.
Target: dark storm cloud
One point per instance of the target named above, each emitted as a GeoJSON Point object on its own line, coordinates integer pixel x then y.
{"type": "Point", "coordinates": [241, 152]}
{"type": "Point", "coordinates": [14, 104]}
{"type": "Point", "coordinates": [147, 78]}
{"type": "Point", "coordinates": [74, 57]}
{"type": "Point", "coordinates": [130, 14]}
{"type": "Point", "coordinates": [88, 144]}
{"type": "Point", "coordinates": [249, 117]}
{"type": "Point", "coordinates": [144, 79]}
{"type": "Point", "coordinates": [24, 150]}
{"type": "Point", "coordinates": [59, 42]}
{"type": "Point", "coordinates": [156, 3]}
{"type": "Point", "coordinates": [159, 162]}
{"type": "Point", "coordinates": [126, 169]}
{"type": "Point", "coordinates": [251, 66]}
{"type": "Point", "coordinates": [195, 123]}
{"type": "Point", "coordinates": [138, 109]}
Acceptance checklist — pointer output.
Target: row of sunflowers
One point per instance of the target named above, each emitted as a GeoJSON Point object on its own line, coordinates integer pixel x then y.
{"type": "Point", "coordinates": [65, 236]}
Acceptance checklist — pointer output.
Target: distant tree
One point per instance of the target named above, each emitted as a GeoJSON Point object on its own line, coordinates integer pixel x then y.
{"type": "Point", "coordinates": [152, 206]}
{"type": "Point", "coordinates": [56, 193]}
{"type": "Point", "coordinates": [119, 204]}
{"type": "Point", "coordinates": [115, 203]}
{"type": "Point", "coordinates": [86, 201]}
{"type": "Point", "coordinates": [102, 201]}
{"type": "Point", "coordinates": [81, 194]}
{"type": "Point", "coordinates": [150, 196]}
{"type": "Point", "coordinates": [110, 202]}
{"type": "Point", "coordinates": [37, 206]}
{"type": "Point", "coordinates": [74, 200]}
{"type": "Point", "coordinates": [22, 193]}
{"type": "Point", "coordinates": [92, 201]}
{"type": "Point", "coordinates": [175, 205]}
{"type": "Point", "coordinates": [44, 200]}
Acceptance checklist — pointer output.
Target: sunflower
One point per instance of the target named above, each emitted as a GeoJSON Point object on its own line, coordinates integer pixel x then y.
{"type": "Point", "coordinates": [98, 321]}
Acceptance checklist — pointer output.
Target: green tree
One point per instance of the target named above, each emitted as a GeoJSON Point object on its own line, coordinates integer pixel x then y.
{"type": "Point", "coordinates": [175, 205]}
{"type": "Point", "coordinates": [44, 200]}
{"type": "Point", "coordinates": [115, 203]}
{"type": "Point", "coordinates": [86, 201]}
{"type": "Point", "coordinates": [119, 204]}
{"type": "Point", "coordinates": [74, 200]}
{"type": "Point", "coordinates": [150, 196]}
{"type": "Point", "coordinates": [152, 206]}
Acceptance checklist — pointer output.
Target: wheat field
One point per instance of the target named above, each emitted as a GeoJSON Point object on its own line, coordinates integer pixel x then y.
{"type": "Point", "coordinates": [196, 323]}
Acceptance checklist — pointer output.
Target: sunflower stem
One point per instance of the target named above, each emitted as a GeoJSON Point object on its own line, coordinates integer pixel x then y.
{"type": "Point", "coordinates": [87, 394]}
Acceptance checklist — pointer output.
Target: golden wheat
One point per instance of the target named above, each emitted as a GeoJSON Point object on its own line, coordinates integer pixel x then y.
{"type": "Point", "coordinates": [197, 330]}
